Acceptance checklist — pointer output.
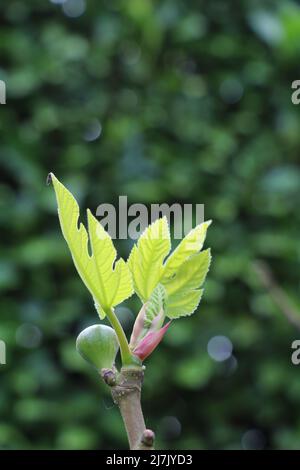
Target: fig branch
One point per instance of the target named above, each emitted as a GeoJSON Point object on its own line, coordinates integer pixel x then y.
{"type": "Point", "coordinates": [168, 286]}
{"type": "Point", "coordinates": [126, 389]}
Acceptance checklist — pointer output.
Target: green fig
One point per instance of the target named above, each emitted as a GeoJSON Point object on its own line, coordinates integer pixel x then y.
{"type": "Point", "coordinates": [98, 345]}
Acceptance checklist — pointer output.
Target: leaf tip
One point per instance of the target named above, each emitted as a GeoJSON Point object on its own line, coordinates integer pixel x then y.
{"type": "Point", "coordinates": [49, 178]}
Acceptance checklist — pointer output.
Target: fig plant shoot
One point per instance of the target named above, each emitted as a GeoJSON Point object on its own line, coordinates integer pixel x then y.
{"type": "Point", "coordinates": [168, 286]}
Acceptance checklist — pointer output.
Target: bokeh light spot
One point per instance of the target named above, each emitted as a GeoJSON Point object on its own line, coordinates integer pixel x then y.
{"type": "Point", "coordinates": [58, 2]}
{"type": "Point", "coordinates": [125, 316]}
{"type": "Point", "coordinates": [93, 131]}
{"type": "Point", "coordinates": [219, 348]}
{"type": "Point", "coordinates": [74, 8]}
{"type": "Point", "coordinates": [229, 366]}
{"type": "Point", "coordinates": [170, 427]}
{"type": "Point", "coordinates": [29, 336]}
{"type": "Point", "coordinates": [253, 439]}
{"type": "Point", "coordinates": [231, 90]}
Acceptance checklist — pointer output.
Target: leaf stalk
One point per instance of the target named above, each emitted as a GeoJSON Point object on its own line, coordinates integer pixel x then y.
{"type": "Point", "coordinates": [128, 359]}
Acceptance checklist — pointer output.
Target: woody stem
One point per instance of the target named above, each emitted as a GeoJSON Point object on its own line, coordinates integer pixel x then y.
{"type": "Point", "coordinates": [126, 392]}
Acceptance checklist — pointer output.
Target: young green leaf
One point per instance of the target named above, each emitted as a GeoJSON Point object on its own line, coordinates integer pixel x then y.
{"type": "Point", "coordinates": [182, 288]}
{"type": "Point", "coordinates": [191, 244]}
{"type": "Point", "coordinates": [181, 275]}
{"type": "Point", "coordinates": [109, 286]}
{"type": "Point", "coordinates": [183, 305]}
{"type": "Point", "coordinates": [147, 257]}
{"type": "Point", "coordinates": [114, 284]}
{"type": "Point", "coordinates": [190, 275]}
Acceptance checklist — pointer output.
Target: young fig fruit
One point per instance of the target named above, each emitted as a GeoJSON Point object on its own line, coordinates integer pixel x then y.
{"type": "Point", "coordinates": [98, 345]}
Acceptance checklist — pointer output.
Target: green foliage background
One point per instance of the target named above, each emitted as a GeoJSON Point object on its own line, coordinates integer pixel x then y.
{"type": "Point", "coordinates": [194, 102]}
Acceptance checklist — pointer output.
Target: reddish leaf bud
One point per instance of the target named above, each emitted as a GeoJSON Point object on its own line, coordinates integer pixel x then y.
{"type": "Point", "coordinates": [147, 344]}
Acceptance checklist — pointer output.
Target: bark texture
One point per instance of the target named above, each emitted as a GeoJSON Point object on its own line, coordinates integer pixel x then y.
{"type": "Point", "coordinates": [126, 387]}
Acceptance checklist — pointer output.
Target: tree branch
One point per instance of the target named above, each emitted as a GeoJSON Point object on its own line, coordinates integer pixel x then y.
{"type": "Point", "coordinates": [126, 392]}
{"type": "Point", "coordinates": [277, 293]}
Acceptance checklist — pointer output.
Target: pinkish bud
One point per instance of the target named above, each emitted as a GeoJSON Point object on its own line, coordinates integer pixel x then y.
{"type": "Point", "coordinates": [147, 345]}
{"type": "Point", "coordinates": [138, 327]}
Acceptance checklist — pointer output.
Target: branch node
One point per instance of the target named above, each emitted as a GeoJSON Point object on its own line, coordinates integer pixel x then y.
{"type": "Point", "coordinates": [109, 377]}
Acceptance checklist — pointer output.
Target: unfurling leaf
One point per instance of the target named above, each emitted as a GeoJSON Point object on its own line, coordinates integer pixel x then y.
{"type": "Point", "coordinates": [138, 330]}
{"type": "Point", "coordinates": [98, 345]}
{"type": "Point", "coordinates": [152, 339]}
{"type": "Point", "coordinates": [155, 304]}
{"type": "Point", "coordinates": [109, 284]}
{"type": "Point", "coordinates": [150, 318]}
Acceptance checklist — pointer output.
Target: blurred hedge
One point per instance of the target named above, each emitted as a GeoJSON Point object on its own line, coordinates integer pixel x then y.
{"type": "Point", "coordinates": [164, 101]}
